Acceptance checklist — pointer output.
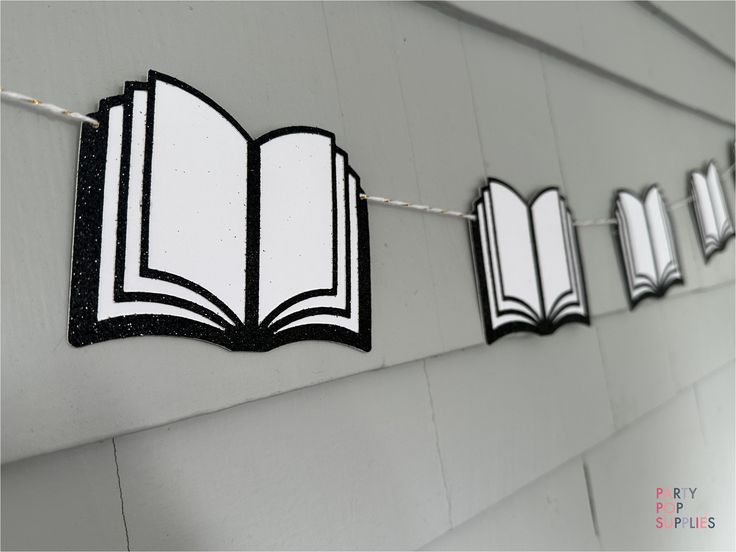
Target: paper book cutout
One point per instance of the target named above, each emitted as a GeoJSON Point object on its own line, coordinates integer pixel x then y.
{"type": "Point", "coordinates": [527, 262]}
{"type": "Point", "coordinates": [648, 254]}
{"type": "Point", "coordinates": [186, 226]}
{"type": "Point", "coordinates": [710, 211]}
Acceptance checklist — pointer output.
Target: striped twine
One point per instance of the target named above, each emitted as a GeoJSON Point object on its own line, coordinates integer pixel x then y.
{"type": "Point", "coordinates": [468, 216]}
{"type": "Point", "coordinates": [47, 107]}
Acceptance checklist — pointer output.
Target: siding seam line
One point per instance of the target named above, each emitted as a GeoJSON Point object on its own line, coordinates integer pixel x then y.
{"type": "Point", "coordinates": [476, 115]}
{"type": "Point", "coordinates": [334, 69]}
{"type": "Point", "coordinates": [591, 499]}
{"type": "Point", "coordinates": [409, 134]}
{"type": "Point", "coordinates": [120, 492]}
{"type": "Point", "coordinates": [552, 122]}
{"type": "Point", "coordinates": [437, 445]}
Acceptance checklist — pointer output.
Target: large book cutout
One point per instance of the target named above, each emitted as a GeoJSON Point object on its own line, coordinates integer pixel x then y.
{"type": "Point", "coordinates": [710, 211]}
{"type": "Point", "coordinates": [646, 244]}
{"type": "Point", "coordinates": [527, 262]}
{"type": "Point", "coordinates": [186, 226]}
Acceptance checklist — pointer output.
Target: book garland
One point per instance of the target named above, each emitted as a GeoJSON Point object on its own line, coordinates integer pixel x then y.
{"type": "Point", "coordinates": [186, 226]}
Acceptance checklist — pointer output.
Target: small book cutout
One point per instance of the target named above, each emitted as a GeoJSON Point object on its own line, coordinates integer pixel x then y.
{"type": "Point", "coordinates": [186, 226]}
{"type": "Point", "coordinates": [527, 262]}
{"type": "Point", "coordinates": [646, 244]}
{"type": "Point", "coordinates": [711, 213]}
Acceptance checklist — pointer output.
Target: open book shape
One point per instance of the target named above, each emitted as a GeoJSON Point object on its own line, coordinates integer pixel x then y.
{"type": "Point", "coordinates": [646, 244]}
{"type": "Point", "coordinates": [527, 262]}
{"type": "Point", "coordinates": [710, 210]}
{"type": "Point", "coordinates": [187, 226]}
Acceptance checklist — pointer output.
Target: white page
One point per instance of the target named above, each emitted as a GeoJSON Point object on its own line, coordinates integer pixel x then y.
{"type": "Point", "coordinates": [722, 217]}
{"type": "Point", "coordinates": [574, 302]}
{"type": "Point", "coordinates": [198, 195]}
{"type": "Point", "coordinates": [488, 278]}
{"type": "Point", "coordinates": [132, 280]}
{"type": "Point", "coordinates": [704, 212]}
{"type": "Point", "coordinates": [106, 305]}
{"type": "Point", "coordinates": [552, 255]}
{"type": "Point", "coordinates": [658, 222]}
{"type": "Point", "coordinates": [637, 284]}
{"type": "Point", "coordinates": [339, 300]}
{"type": "Point", "coordinates": [296, 247]}
{"type": "Point", "coordinates": [513, 249]}
{"type": "Point", "coordinates": [634, 233]}
{"type": "Point", "coordinates": [580, 306]}
{"type": "Point", "coordinates": [352, 322]}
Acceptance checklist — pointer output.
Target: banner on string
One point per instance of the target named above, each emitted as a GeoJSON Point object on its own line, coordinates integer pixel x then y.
{"type": "Point", "coordinates": [186, 226]}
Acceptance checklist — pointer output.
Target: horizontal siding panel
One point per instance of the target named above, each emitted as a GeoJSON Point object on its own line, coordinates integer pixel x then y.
{"type": "Point", "coordinates": [347, 465]}
{"type": "Point", "coordinates": [664, 449]}
{"type": "Point", "coordinates": [551, 513]}
{"type": "Point", "coordinates": [701, 332]}
{"type": "Point", "coordinates": [509, 413]}
{"type": "Point", "coordinates": [713, 22]}
{"type": "Point", "coordinates": [635, 358]}
{"type": "Point", "coordinates": [69, 500]}
{"type": "Point", "coordinates": [641, 48]}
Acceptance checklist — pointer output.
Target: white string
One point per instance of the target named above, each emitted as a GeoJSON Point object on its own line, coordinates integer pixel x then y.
{"type": "Point", "coordinates": [595, 222]}
{"type": "Point", "coordinates": [416, 207]}
{"type": "Point", "coordinates": [48, 107]}
{"type": "Point", "coordinates": [457, 214]}
{"type": "Point", "coordinates": [681, 202]}
{"type": "Point", "coordinates": [73, 115]}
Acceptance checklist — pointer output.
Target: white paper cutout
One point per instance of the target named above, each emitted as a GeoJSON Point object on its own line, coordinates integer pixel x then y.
{"type": "Point", "coordinates": [107, 307]}
{"type": "Point", "coordinates": [712, 217]}
{"type": "Point", "coordinates": [647, 248]}
{"type": "Point", "coordinates": [527, 262]}
{"type": "Point", "coordinates": [132, 281]}
{"type": "Point", "coordinates": [186, 226]}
